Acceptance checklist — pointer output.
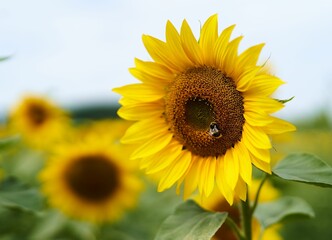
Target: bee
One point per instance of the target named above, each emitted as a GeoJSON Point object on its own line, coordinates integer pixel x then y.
{"type": "Point", "coordinates": [215, 130]}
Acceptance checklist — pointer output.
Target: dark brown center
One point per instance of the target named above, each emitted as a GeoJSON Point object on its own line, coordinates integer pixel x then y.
{"type": "Point", "coordinates": [92, 178]}
{"type": "Point", "coordinates": [225, 232]}
{"type": "Point", "coordinates": [205, 111]}
{"type": "Point", "coordinates": [37, 114]}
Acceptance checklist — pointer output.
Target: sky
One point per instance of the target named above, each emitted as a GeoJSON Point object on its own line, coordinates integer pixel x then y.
{"type": "Point", "coordinates": [76, 51]}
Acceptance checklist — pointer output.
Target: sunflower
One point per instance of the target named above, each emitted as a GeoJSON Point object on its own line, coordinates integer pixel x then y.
{"type": "Point", "coordinates": [38, 120]}
{"type": "Point", "coordinates": [217, 203]}
{"type": "Point", "coordinates": [203, 111]}
{"type": "Point", "coordinates": [89, 179]}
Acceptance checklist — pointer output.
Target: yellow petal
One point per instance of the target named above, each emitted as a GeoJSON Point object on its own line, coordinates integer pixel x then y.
{"type": "Point", "coordinates": [190, 44]}
{"type": "Point", "coordinates": [266, 167]}
{"type": "Point", "coordinates": [141, 111]}
{"type": "Point", "coordinates": [151, 73]}
{"type": "Point", "coordinates": [152, 146]}
{"type": "Point", "coordinates": [241, 189]}
{"type": "Point", "coordinates": [222, 183]}
{"type": "Point", "coordinates": [231, 169]}
{"type": "Point", "coordinates": [243, 82]}
{"type": "Point", "coordinates": [266, 104]}
{"type": "Point", "coordinates": [160, 53]}
{"type": "Point", "coordinates": [141, 92]}
{"type": "Point", "coordinates": [179, 184]}
{"type": "Point", "coordinates": [175, 171]}
{"type": "Point", "coordinates": [164, 158]}
{"type": "Point", "coordinates": [262, 154]}
{"type": "Point", "coordinates": [209, 35]}
{"type": "Point", "coordinates": [154, 69]}
{"type": "Point", "coordinates": [279, 126]}
{"type": "Point", "coordinates": [207, 175]}
{"type": "Point", "coordinates": [204, 171]}
{"type": "Point", "coordinates": [257, 118]}
{"type": "Point", "coordinates": [127, 101]}
{"type": "Point", "coordinates": [145, 77]}
{"type": "Point", "coordinates": [256, 136]}
{"type": "Point", "coordinates": [263, 85]}
{"type": "Point", "coordinates": [146, 162]}
{"type": "Point", "coordinates": [250, 56]}
{"type": "Point", "coordinates": [230, 60]}
{"type": "Point", "coordinates": [245, 167]}
{"type": "Point", "coordinates": [173, 40]}
{"type": "Point", "coordinates": [221, 46]}
{"type": "Point", "coordinates": [192, 177]}
{"type": "Point", "coordinates": [145, 130]}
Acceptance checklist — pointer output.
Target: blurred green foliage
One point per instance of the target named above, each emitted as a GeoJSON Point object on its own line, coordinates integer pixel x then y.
{"type": "Point", "coordinates": [314, 135]}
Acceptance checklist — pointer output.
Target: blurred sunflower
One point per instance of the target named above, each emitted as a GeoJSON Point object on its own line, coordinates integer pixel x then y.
{"type": "Point", "coordinates": [3, 130]}
{"type": "Point", "coordinates": [217, 203]}
{"type": "Point", "coordinates": [203, 111]}
{"type": "Point", "coordinates": [38, 120]}
{"type": "Point", "coordinates": [90, 179]}
{"type": "Point", "coordinates": [112, 131]}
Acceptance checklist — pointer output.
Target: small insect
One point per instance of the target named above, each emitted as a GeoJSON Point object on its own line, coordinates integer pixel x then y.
{"type": "Point", "coordinates": [215, 130]}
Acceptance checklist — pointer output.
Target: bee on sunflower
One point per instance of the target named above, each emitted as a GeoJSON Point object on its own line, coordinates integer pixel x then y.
{"type": "Point", "coordinates": [203, 111]}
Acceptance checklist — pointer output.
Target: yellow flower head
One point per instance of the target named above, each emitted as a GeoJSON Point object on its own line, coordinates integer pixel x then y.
{"type": "Point", "coordinates": [217, 203]}
{"type": "Point", "coordinates": [38, 121]}
{"type": "Point", "coordinates": [90, 179]}
{"type": "Point", "coordinates": [203, 111]}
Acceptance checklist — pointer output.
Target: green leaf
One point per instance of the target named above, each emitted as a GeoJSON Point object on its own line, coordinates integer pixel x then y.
{"type": "Point", "coordinates": [143, 222]}
{"type": "Point", "coordinates": [4, 58]}
{"type": "Point", "coordinates": [304, 168]}
{"type": "Point", "coordinates": [273, 212]}
{"type": "Point", "coordinates": [8, 141]}
{"type": "Point", "coordinates": [14, 195]}
{"type": "Point", "coordinates": [192, 222]}
{"type": "Point", "coordinates": [285, 100]}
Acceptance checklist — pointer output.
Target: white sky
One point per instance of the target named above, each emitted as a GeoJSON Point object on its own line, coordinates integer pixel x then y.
{"type": "Point", "coordinates": [77, 51]}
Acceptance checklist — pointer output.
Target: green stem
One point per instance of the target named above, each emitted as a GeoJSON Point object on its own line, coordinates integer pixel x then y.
{"type": "Point", "coordinates": [246, 218]}
{"type": "Point", "coordinates": [247, 211]}
{"type": "Point", "coordinates": [235, 228]}
{"type": "Point", "coordinates": [257, 194]}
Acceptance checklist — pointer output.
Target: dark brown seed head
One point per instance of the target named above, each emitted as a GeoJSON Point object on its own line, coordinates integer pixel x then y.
{"type": "Point", "coordinates": [93, 178]}
{"type": "Point", "coordinates": [205, 111]}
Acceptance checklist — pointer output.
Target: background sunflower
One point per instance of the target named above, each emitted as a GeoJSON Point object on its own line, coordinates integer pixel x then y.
{"type": "Point", "coordinates": [88, 179]}
{"type": "Point", "coordinates": [38, 120]}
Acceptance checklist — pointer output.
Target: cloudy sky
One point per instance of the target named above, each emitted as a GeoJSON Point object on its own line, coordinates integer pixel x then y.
{"type": "Point", "coordinates": [76, 51]}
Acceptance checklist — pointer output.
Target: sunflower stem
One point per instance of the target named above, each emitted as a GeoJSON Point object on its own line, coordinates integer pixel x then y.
{"type": "Point", "coordinates": [230, 222]}
{"type": "Point", "coordinates": [246, 218]}
{"type": "Point", "coordinates": [253, 208]}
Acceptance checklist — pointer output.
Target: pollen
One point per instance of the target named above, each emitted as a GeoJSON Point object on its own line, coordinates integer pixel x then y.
{"type": "Point", "coordinates": [205, 111]}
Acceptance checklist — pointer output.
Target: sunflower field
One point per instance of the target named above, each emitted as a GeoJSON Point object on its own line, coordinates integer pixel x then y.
{"type": "Point", "coordinates": [194, 150]}
{"type": "Point", "coordinates": [36, 204]}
